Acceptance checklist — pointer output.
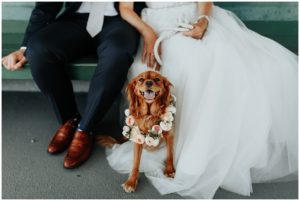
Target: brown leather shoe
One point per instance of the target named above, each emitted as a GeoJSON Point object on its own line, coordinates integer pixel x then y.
{"type": "Point", "coordinates": [62, 138]}
{"type": "Point", "coordinates": [79, 150]}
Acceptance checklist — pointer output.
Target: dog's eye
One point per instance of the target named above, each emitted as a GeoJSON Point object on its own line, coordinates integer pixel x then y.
{"type": "Point", "coordinates": [156, 79]}
{"type": "Point", "coordinates": [141, 79]}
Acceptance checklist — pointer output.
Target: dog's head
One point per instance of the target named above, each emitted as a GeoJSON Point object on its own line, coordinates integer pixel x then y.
{"type": "Point", "coordinates": [148, 91]}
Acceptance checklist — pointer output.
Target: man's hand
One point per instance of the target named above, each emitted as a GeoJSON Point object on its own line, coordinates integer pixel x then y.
{"type": "Point", "coordinates": [14, 61]}
{"type": "Point", "coordinates": [199, 29]}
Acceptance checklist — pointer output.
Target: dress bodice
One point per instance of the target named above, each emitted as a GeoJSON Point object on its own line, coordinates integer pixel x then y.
{"type": "Point", "coordinates": [163, 15]}
{"type": "Point", "coordinates": [158, 5]}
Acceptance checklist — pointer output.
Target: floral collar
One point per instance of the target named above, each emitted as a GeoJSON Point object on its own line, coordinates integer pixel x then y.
{"type": "Point", "coordinates": [133, 133]}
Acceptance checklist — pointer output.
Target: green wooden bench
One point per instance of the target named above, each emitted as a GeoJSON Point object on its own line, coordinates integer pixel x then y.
{"type": "Point", "coordinates": [284, 32]}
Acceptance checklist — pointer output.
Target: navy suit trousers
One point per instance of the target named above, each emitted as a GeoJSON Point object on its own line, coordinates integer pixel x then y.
{"type": "Point", "coordinates": [66, 39]}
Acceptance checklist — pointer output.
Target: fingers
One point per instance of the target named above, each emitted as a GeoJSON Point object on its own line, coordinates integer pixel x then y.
{"type": "Point", "coordinates": [20, 64]}
{"type": "Point", "coordinates": [24, 60]}
{"type": "Point", "coordinates": [5, 62]}
{"type": "Point", "coordinates": [3, 59]}
{"type": "Point", "coordinates": [14, 62]}
{"type": "Point", "coordinates": [144, 56]}
{"type": "Point", "coordinates": [194, 34]}
{"type": "Point", "coordinates": [152, 61]}
{"type": "Point", "coordinates": [157, 67]}
{"type": "Point", "coordinates": [148, 58]}
{"type": "Point", "coordinates": [188, 33]}
{"type": "Point", "coordinates": [203, 34]}
{"type": "Point", "coordinates": [197, 32]}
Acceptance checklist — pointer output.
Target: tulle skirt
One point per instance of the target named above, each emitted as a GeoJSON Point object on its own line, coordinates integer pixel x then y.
{"type": "Point", "coordinates": [236, 120]}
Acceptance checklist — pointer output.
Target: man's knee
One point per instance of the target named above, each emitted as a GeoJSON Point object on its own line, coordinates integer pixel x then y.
{"type": "Point", "coordinates": [40, 51]}
{"type": "Point", "coordinates": [125, 39]}
{"type": "Point", "coordinates": [115, 59]}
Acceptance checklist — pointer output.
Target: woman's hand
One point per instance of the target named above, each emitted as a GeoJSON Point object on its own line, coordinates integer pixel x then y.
{"type": "Point", "coordinates": [204, 8]}
{"type": "Point", "coordinates": [150, 38]}
{"type": "Point", "coordinates": [199, 29]}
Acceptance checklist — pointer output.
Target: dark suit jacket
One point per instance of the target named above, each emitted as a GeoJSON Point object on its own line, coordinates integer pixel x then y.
{"type": "Point", "coordinates": [46, 12]}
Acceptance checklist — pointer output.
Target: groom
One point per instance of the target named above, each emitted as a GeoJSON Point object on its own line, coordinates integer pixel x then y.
{"type": "Point", "coordinates": [52, 40]}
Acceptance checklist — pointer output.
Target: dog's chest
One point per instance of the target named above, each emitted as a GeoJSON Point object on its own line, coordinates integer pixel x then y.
{"type": "Point", "coordinates": [146, 122]}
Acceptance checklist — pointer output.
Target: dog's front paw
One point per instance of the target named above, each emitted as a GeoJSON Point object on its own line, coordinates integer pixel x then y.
{"type": "Point", "coordinates": [169, 172]}
{"type": "Point", "coordinates": [129, 186]}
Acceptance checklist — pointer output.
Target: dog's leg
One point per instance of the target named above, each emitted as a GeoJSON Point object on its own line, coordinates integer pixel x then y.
{"type": "Point", "coordinates": [131, 183]}
{"type": "Point", "coordinates": [169, 170]}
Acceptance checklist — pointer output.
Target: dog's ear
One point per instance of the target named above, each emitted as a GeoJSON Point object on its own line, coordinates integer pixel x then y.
{"type": "Point", "coordinates": [166, 97]}
{"type": "Point", "coordinates": [132, 98]}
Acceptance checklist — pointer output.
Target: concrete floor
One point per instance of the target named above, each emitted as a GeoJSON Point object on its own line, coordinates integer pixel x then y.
{"type": "Point", "coordinates": [29, 172]}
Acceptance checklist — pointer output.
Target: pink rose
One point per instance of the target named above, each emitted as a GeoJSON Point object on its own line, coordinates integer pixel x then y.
{"type": "Point", "coordinates": [129, 120]}
{"type": "Point", "coordinates": [156, 129]}
{"type": "Point", "coordinates": [136, 136]}
{"type": "Point", "coordinates": [140, 139]}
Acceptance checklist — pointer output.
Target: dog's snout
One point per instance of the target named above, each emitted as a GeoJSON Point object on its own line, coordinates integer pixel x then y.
{"type": "Point", "coordinates": [149, 83]}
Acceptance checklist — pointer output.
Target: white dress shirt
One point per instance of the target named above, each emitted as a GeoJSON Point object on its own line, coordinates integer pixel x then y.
{"type": "Point", "coordinates": [110, 10]}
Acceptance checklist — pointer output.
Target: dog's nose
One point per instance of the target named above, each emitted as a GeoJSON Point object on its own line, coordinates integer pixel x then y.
{"type": "Point", "coordinates": [149, 83]}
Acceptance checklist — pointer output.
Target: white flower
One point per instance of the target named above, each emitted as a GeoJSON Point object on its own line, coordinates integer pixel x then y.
{"type": "Point", "coordinates": [126, 128]}
{"type": "Point", "coordinates": [171, 109]}
{"type": "Point", "coordinates": [126, 134]}
{"type": "Point", "coordinates": [140, 139]}
{"type": "Point", "coordinates": [166, 126]}
{"type": "Point", "coordinates": [168, 116]}
{"type": "Point", "coordinates": [156, 129]}
{"type": "Point", "coordinates": [129, 120]}
{"type": "Point", "coordinates": [136, 136]}
{"type": "Point", "coordinates": [149, 140]}
{"type": "Point", "coordinates": [174, 98]}
{"type": "Point", "coordinates": [135, 131]}
{"type": "Point", "coordinates": [127, 113]}
{"type": "Point", "coordinates": [155, 142]}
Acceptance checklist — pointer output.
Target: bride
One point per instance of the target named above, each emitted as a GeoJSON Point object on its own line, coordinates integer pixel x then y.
{"type": "Point", "coordinates": [236, 120]}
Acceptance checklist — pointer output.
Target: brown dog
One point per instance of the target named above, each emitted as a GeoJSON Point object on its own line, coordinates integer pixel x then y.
{"type": "Point", "coordinates": [149, 96]}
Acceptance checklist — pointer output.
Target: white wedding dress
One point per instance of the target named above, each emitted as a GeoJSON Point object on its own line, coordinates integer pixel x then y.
{"type": "Point", "coordinates": [236, 120]}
